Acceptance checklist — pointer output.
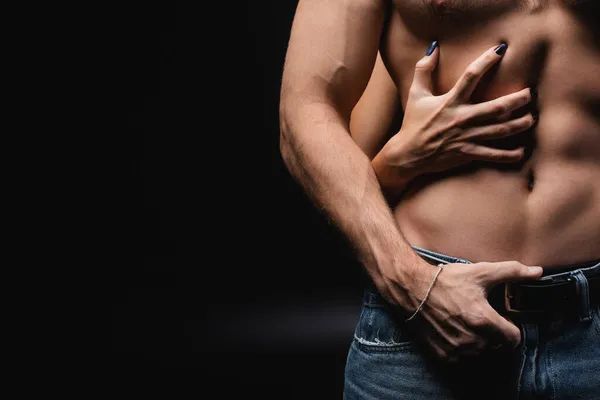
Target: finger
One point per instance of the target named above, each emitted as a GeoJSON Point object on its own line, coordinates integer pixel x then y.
{"type": "Point", "coordinates": [437, 349]}
{"type": "Point", "coordinates": [424, 68]}
{"type": "Point", "coordinates": [470, 78]}
{"type": "Point", "coordinates": [476, 152]}
{"type": "Point", "coordinates": [438, 343]}
{"type": "Point", "coordinates": [499, 108]}
{"type": "Point", "coordinates": [497, 131]}
{"type": "Point", "coordinates": [507, 271]}
{"type": "Point", "coordinates": [500, 330]}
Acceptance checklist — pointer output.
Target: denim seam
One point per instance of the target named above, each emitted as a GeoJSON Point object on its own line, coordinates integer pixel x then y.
{"type": "Point", "coordinates": [535, 362]}
{"type": "Point", "coordinates": [553, 377]}
{"type": "Point", "coordinates": [358, 331]}
{"type": "Point", "coordinates": [523, 360]}
{"type": "Point", "coordinates": [380, 346]}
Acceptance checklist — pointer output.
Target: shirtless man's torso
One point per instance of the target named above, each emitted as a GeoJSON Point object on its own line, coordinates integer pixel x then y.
{"type": "Point", "coordinates": [423, 333]}
{"type": "Point", "coordinates": [545, 210]}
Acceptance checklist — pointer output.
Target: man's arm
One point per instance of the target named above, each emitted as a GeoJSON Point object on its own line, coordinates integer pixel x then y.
{"type": "Point", "coordinates": [378, 114]}
{"type": "Point", "coordinates": [331, 53]}
{"type": "Point", "coordinates": [330, 57]}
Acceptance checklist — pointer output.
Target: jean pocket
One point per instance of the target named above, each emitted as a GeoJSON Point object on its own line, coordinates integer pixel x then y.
{"type": "Point", "coordinates": [380, 330]}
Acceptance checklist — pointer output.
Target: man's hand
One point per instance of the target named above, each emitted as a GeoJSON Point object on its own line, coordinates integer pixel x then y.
{"type": "Point", "coordinates": [457, 319]}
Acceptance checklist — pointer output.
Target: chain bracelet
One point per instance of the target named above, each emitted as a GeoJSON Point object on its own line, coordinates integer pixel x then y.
{"type": "Point", "coordinates": [440, 267]}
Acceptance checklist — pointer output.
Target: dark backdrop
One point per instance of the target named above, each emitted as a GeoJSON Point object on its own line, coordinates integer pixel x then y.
{"type": "Point", "coordinates": [226, 269]}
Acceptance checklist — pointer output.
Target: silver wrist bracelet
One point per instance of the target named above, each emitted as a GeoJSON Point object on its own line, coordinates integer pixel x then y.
{"type": "Point", "coordinates": [440, 267]}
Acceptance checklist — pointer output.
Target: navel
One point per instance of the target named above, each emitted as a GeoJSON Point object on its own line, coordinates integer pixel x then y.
{"type": "Point", "coordinates": [530, 179]}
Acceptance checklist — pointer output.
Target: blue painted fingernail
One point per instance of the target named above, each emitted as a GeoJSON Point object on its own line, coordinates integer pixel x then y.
{"type": "Point", "coordinates": [431, 47]}
{"type": "Point", "coordinates": [500, 50]}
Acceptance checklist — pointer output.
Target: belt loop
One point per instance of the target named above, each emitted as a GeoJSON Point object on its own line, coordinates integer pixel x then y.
{"type": "Point", "coordinates": [582, 288]}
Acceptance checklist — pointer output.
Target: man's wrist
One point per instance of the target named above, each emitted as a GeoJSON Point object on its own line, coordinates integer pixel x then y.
{"type": "Point", "coordinates": [411, 278]}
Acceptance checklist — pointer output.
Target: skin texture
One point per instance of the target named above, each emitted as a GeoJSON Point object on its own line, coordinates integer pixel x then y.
{"type": "Point", "coordinates": [378, 114]}
{"type": "Point", "coordinates": [332, 51]}
{"type": "Point", "coordinates": [544, 210]}
{"type": "Point", "coordinates": [440, 132]}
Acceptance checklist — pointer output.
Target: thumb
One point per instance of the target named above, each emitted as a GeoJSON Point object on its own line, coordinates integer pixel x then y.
{"type": "Point", "coordinates": [507, 271]}
{"type": "Point", "coordinates": [424, 68]}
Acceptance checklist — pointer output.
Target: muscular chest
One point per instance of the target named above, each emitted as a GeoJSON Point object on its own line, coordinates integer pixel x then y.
{"type": "Point", "coordinates": [466, 14]}
{"type": "Point", "coordinates": [544, 37]}
{"type": "Point", "coordinates": [445, 11]}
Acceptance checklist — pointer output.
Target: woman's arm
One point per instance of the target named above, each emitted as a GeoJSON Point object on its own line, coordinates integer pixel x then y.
{"type": "Point", "coordinates": [378, 114]}
{"type": "Point", "coordinates": [433, 133]}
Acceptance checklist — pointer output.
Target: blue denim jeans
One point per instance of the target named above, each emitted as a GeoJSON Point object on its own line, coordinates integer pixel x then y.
{"type": "Point", "coordinates": [558, 358]}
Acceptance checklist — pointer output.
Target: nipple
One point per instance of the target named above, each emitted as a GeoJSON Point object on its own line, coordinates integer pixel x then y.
{"type": "Point", "coordinates": [441, 5]}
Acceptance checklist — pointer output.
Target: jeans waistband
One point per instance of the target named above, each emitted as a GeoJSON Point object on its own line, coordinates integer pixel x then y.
{"type": "Point", "coordinates": [556, 274]}
{"type": "Point", "coordinates": [580, 301]}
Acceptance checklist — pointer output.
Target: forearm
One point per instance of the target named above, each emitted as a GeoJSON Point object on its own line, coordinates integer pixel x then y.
{"type": "Point", "coordinates": [338, 176]}
{"type": "Point", "coordinates": [375, 119]}
{"type": "Point", "coordinates": [393, 181]}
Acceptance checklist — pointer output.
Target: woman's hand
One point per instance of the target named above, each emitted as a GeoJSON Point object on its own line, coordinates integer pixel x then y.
{"type": "Point", "coordinates": [437, 132]}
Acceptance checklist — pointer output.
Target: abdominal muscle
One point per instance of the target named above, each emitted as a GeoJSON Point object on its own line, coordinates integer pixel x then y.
{"type": "Point", "coordinates": [545, 210]}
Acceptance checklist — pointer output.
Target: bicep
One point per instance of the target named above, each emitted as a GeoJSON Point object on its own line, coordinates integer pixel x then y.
{"type": "Point", "coordinates": [331, 52]}
{"type": "Point", "coordinates": [378, 114]}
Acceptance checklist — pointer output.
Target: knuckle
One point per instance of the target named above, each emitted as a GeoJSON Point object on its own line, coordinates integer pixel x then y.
{"type": "Point", "coordinates": [504, 116]}
{"type": "Point", "coordinates": [464, 115]}
{"type": "Point", "coordinates": [478, 321]}
{"type": "Point", "coordinates": [517, 125]}
{"type": "Point", "coordinates": [467, 148]}
{"type": "Point", "coordinates": [460, 119]}
{"type": "Point", "coordinates": [502, 130]}
{"type": "Point", "coordinates": [470, 74]}
{"type": "Point", "coordinates": [454, 147]}
{"type": "Point", "coordinates": [422, 64]}
{"type": "Point", "coordinates": [499, 109]}
{"type": "Point", "coordinates": [516, 268]}
{"type": "Point", "coordinates": [495, 155]}
{"type": "Point", "coordinates": [414, 90]}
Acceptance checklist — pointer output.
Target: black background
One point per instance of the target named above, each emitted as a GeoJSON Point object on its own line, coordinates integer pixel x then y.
{"type": "Point", "coordinates": [227, 270]}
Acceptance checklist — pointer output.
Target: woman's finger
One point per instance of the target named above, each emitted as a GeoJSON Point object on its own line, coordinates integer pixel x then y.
{"type": "Point", "coordinates": [497, 131]}
{"type": "Point", "coordinates": [499, 108]}
{"type": "Point", "coordinates": [470, 78]}
{"type": "Point", "coordinates": [424, 68]}
{"type": "Point", "coordinates": [484, 153]}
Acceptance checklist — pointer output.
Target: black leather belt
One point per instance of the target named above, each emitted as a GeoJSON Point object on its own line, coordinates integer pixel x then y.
{"type": "Point", "coordinates": [554, 293]}
{"type": "Point", "coordinates": [551, 297]}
